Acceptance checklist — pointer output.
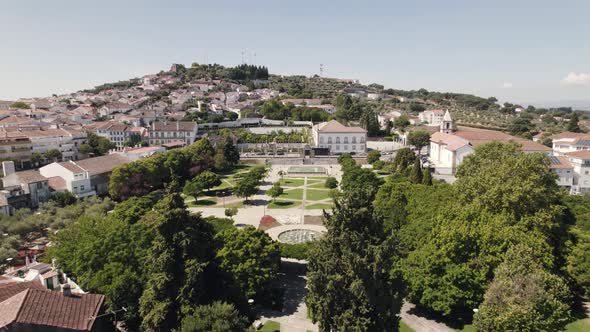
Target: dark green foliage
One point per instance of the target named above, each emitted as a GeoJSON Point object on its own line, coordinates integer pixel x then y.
{"type": "Point", "coordinates": [275, 191]}
{"type": "Point", "coordinates": [250, 183]}
{"type": "Point", "coordinates": [416, 173]}
{"type": "Point", "coordinates": [427, 177]}
{"type": "Point", "coordinates": [419, 139]}
{"type": "Point", "coordinates": [97, 145]}
{"type": "Point", "coordinates": [179, 255]}
{"type": "Point", "coordinates": [524, 296]}
{"type": "Point", "coordinates": [349, 280]}
{"type": "Point", "coordinates": [401, 122]}
{"type": "Point", "coordinates": [296, 250]}
{"type": "Point", "coordinates": [520, 126]}
{"type": "Point", "coordinates": [373, 156]}
{"type": "Point", "coordinates": [20, 105]}
{"type": "Point", "coordinates": [215, 317]}
{"type": "Point", "coordinates": [403, 158]}
{"type": "Point", "coordinates": [63, 198]}
{"type": "Point", "coordinates": [250, 256]}
{"type": "Point", "coordinates": [573, 125]}
{"type": "Point", "coordinates": [331, 183]}
{"type": "Point", "coordinates": [369, 122]}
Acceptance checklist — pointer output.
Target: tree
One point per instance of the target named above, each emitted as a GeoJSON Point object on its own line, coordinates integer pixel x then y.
{"type": "Point", "coordinates": [419, 139]}
{"type": "Point", "coordinates": [246, 187]}
{"type": "Point", "coordinates": [427, 177]}
{"type": "Point", "coordinates": [352, 286]}
{"type": "Point", "coordinates": [370, 123]}
{"type": "Point", "coordinates": [275, 191]}
{"type": "Point", "coordinates": [250, 256]}
{"type": "Point", "coordinates": [215, 317]}
{"type": "Point", "coordinates": [85, 149]}
{"type": "Point", "coordinates": [63, 198]}
{"type": "Point", "coordinates": [193, 188]}
{"type": "Point", "coordinates": [501, 178]}
{"type": "Point", "coordinates": [230, 212]}
{"type": "Point", "coordinates": [524, 296]}
{"type": "Point", "coordinates": [208, 179]}
{"type": "Point", "coordinates": [373, 156]}
{"type": "Point", "coordinates": [416, 173]}
{"type": "Point", "coordinates": [401, 122]}
{"type": "Point", "coordinates": [573, 125]}
{"type": "Point", "coordinates": [230, 152]}
{"type": "Point", "coordinates": [36, 158]}
{"type": "Point", "coordinates": [331, 183]}
{"type": "Point", "coordinates": [520, 126]}
{"type": "Point", "coordinates": [53, 154]}
{"type": "Point", "coordinates": [403, 158]}
{"type": "Point", "coordinates": [178, 256]}
{"type": "Point", "coordinates": [20, 105]}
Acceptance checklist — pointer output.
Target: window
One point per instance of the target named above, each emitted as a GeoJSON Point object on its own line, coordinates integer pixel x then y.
{"type": "Point", "coordinates": [353, 139]}
{"type": "Point", "coordinates": [337, 147]}
{"type": "Point", "coordinates": [82, 188]}
{"type": "Point", "coordinates": [337, 140]}
{"type": "Point", "coordinates": [345, 140]}
{"type": "Point", "coordinates": [346, 147]}
{"type": "Point", "coordinates": [362, 139]}
{"type": "Point", "coordinates": [39, 185]}
{"type": "Point", "coordinates": [329, 140]}
{"type": "Point", "coordinates": [353, 147]}
{"type": "Point", "coordinates": [75, 189]}
{"type": "Point", "coordinates": [321, 140]}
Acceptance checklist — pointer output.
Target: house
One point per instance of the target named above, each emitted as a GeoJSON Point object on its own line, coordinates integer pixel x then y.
{"type": "Point", "coordinates": [580, 160]}
{"type": "Point", "coordinates": [166, 132]}
{"type": "Point", "coordinates": [114, 107]}
{"type": "Point", "coordinates": [119, 134]}
{"type": "Point", "coordinates": [30, 183]}
{"type": "Point", "coordinates": [384, 119]}
{"type": "Point", "coordinates": [42, 139]}
{"type": "Point", "coordinates": [134, 154]}
{"type": "Point", "coordinates": [432, 117]}
{"type": "Point", "coordinates": [451, 145]}
{"type": "Point", "coordinates": [338, 138]}
{"type": "Point", "coordinates": [28, 306]}
{"type": "Point", "coordinates": [569, 142]}
{"type": "Point", "coordinates": [87, 177]}
{"type": "Point", "coordinates": [564, 170]}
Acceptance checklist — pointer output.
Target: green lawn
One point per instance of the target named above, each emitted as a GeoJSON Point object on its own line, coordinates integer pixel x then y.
{"type": "Point", "coordinates": [467, 328]}
{"type": "Point", "coordinates": [279, 204]}
{"type": "Point", "coordinates": [323, 206]}
{"type": "Point", "coordinates": [316, 195]}
{"type": "Point", "coordinates": [404, 328]}
{"type": "Point", "coordinates": [229, 205]}
{"type": "Point", "coordinates": [581, 325]}
{"type": "Point", "coordinates": [293, 194]}
{"type": "Point", "coordinates": [271, 326]}
{"type": "Point", "coordinates": [316, 180]}
{"type": "Point", "coordinates": [202, 202]}
{"type": "Point", "coordinates": [295, 182]}
{"type": "Point", "coordinates": [317, 185]}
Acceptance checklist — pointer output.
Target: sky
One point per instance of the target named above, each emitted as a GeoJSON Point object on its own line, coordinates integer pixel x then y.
{"type": "Point", "coordinates": [523, 51]}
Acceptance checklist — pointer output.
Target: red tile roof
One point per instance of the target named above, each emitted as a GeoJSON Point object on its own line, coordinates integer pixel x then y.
{"type": "Point", "coordinates": [44, 308]}
{"type": "Point", "coordinates": [334, 126]}
{"type": "Point", "coordinates": [582, 154]}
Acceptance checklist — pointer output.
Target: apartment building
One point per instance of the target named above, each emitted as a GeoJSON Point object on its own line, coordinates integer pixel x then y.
{"type": "Point", "coordinates": [168, 132]}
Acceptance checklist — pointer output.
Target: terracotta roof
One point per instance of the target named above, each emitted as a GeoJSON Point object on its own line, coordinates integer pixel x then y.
{"type": "Point", "coordinates": [334, 126]}
{"type": "Point", "coordinates": [8, 290]}
{"type": "Point", "coordinates": [71, 166]}
{"type": "Point", "coordinates": [174, 144]}
{"type": "Point", "coordinates": [452, 142]}
{"type": "Point", "coordinates": [478, 137]}
{"type": "Point", "coordinates": [559, 162]}
{"type": "Point", "coordinates": [582, 154]}
{"type": "Point", "coordinates": [570, 135]}
{"type": "Point", "coordinates": [44, 308]}
{"type": "Point", "coordinates": [174, 126]}
{"type": "Point", "coordinates": [103, 164]}
{"type": "Point", "coordinates": [57, 183]}
{"type": "Point", "coordinates": [29, 176]}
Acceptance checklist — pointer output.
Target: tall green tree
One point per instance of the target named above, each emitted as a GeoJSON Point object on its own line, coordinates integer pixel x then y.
{"type": "Point", "coordinates": [208, 179]}
{"type": "Point", "coordinates": [419, 139]}
{"type": "Point", "coordinates": [250, 256]}
{"type": "Point", "coordinates": [350, 279]}
{"type": "Point", "coordinates": [524, 296]}
{"type": "Point", "coordinates": [275, 191]}
{"type": "Point", "coordinates": [179, 256]}
{"type": "Point", "coordinates": [574, 123]}
{"type": "Point", "coordinates": [215, 317]}
{"type": "Point", "coordinates": [416, 173]}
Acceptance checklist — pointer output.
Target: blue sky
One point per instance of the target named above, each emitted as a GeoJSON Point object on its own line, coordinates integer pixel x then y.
{"type": "Point", "coordinates": [522, 51]}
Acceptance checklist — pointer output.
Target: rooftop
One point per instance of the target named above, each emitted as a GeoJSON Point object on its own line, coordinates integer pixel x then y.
{"type": "Point", "coordinates": [334, 126]}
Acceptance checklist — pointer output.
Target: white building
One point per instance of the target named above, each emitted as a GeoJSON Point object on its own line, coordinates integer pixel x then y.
{"type": "Point", "coordinates": [432, 117]}
{"type": "Point", "coordinates": [339, 138]}
{"type": "Point", "coordinates": [564, 170]}
{"type": "Point", "coordinates": [580, 160]}
{"type": "Point", "coordinates": [569, 142]}
{"type": "Point", "coordinates": [450, 146]}
{"type": "Point", "coordinates": [167, 132]}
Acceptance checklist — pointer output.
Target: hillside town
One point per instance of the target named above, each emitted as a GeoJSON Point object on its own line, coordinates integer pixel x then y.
{"type": "Point", "coordinates": [277, 203]}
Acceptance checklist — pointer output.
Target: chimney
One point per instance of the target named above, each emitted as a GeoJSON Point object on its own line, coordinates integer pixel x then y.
{"type": "Point", "coordinates": [8, 167]}
{"type": "Point", "coordinates": [67, 290]}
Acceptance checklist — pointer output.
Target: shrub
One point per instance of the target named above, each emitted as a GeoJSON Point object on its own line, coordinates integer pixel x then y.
{"type": "Point", "coordinates": [331, 183]}
{"type": "Point", "coordinates": [295, 250]}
